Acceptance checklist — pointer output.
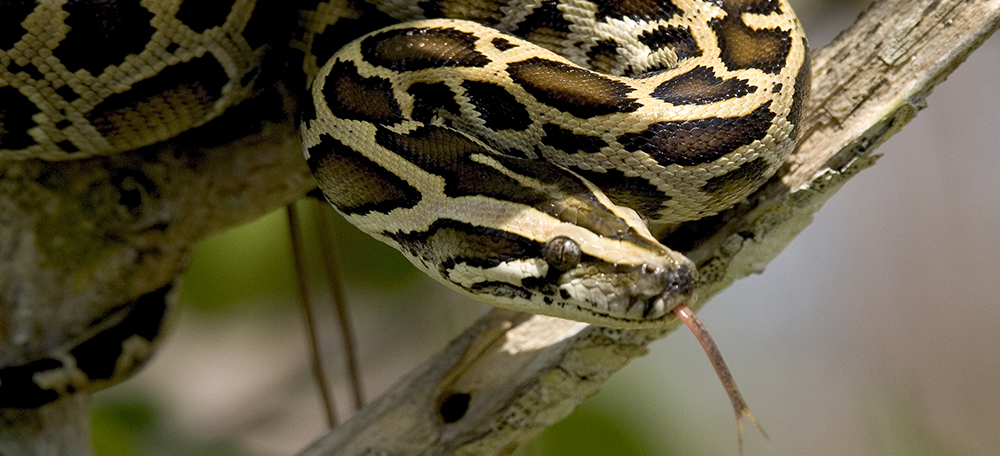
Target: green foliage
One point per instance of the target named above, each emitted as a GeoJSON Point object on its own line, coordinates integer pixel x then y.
{"type": "Point", "coordinates": [604, 425]}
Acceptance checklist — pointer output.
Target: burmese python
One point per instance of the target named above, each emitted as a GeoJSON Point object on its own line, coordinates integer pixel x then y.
{"type": "Point", "coordinates": [526, 175]}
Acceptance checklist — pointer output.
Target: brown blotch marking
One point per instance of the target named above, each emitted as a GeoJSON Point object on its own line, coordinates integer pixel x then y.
{"type": "Point", "coordinates": [448, 153]}
{"type": "Point", "coordinates": [547, 38]}
{"type": "Point", "coordinates": [545, 26]}
{"type": "Point", "coordinates": [545, 16]}
{"type": "Point", "coordinates": [486, 12]}
{"type": "Point", "coordinates": [678, 39]}
{"type": "Point", "coordinates": [337, 35]}
{"type": "Point", "coordinates": [693, 142]}
{"type": "Point", "coordinates": [18, 389]}
{"type": "Point", "coordinates": [565, 140]}
{"type": "Point", "coordinates": [603, 56]}
{"type": "Point", "coordinates": [13, 15]}
{"type": "Point", "coordinates": [701, 86]}
{"type": "Point", "coordinates": [433, 99]}
{"type": "Point", "coordinates": [103, 33]}
{"type": "Point", "coordinates": [448, 242]}
{"type": "Point", "coordinates": [351, 96]}
{"type": "Point", "coordinates": [641, 10]}
{"type": "Point", "coordinates": [98, 356]}
{"type": "Point", "coordinates": [496, 106]}
{"type": "Point", "coordinates": [15, 119]}
{"type": "Point", "coordinates": [201, 16]}
{"type": "Point", "coordinates": [754, 6]}
{"type": "Point", "coordinates": [412, 49]}
{"type": "Point", "coordinates": [742, 47]}
{"type": "Point", "coordinates": [803, 82]}
{"type": "Point", "coordinates": [502, 44]}
{"type": "Point", "coordinates": [634, 192]}
{"type": "Point", "coordinates": [739, 181]}
{"type": "Point", "coordinates": [355, 184]}
{"type": "Point", "coordinates": [135, 118]}
{"type": "Point", "coordinates": [571, 89]}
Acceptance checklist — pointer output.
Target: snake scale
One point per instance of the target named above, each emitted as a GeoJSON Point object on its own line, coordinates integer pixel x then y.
{"type": "Point", "coordinates": [517, 151]}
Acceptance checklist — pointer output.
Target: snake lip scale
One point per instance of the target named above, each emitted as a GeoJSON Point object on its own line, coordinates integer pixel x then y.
{"type": "Point", "coordinates": [521, 154]}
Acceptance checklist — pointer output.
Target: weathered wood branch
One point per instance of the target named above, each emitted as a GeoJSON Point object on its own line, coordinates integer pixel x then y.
{"type": "Point", "coordinates": [80, 238]}
{"type": "Point", "coordinates": [510, 375]}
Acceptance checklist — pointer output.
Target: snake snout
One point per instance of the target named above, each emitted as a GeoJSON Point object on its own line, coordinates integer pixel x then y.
{"type": "Point", "coordinates": [667, 287]}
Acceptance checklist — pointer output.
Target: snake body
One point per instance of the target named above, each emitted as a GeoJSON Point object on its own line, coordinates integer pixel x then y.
{"type": "Point", "coordinates": [478, 154]}
{"type": "Point", "coordinates": [517, 152]}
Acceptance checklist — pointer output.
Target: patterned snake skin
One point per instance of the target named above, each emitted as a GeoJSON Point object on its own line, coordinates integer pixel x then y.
{"type": "Point", "coordinates": [516, 151]}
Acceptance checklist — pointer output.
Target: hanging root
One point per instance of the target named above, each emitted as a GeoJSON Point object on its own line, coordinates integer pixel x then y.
{"type": "Point", "coordinates": [739, 405]}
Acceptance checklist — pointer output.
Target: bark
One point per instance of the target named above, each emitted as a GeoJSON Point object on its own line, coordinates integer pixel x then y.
{"type": "Point", "coordinates": [81, 239]}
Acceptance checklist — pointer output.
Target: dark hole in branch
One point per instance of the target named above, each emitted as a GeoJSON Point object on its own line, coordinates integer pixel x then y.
{"type": "Point", "coordinates": [454, 406]}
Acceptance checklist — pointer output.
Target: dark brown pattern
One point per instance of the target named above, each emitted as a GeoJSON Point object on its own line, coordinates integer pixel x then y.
{"type": "Point", "coordinates": [693, 142]}
{"type": "Point", "coordinates": [748, 176]}
{"type": "Point", "coordinates": [678, 39]}
{"type": "Point", "coordinates": [565, 140]}
{"type": "Point", "coordinates": [15, 119]}
{"type": "Point", "coordinates": [189, 89]}
{"type": "Point", "coordinates": [430, 100]}
{"type": "Point", "coordinates": [570, 89]}
{"type": "Point", "coordinates": [412, 49]}
{"type": "Point", "coordinates": [103, 33]}
{"type": "Point", "coordinates": [640, 10]}
{"type": "Point", "coordinates": [754, 6]}
{"type": "Point", "coordinates": [97, 357]}
{"type": "Point", "coordinates": [802, 85]}
{"type": "Point", "coordinates": [503, 44]}
{"type": "Point", "coordinates": [12, 14]}
{"type": "Point", "coordinates": [355, 184]}
{"type": "Point", "coordinates": [351, 96]}
{"type": "Point", "coordinates": [496, 106]}
{"type": "Point", "coordinates": [743, 47]}
{"type": "Point", "coordinates": [544, 17]}
{"type": "Point", "coordinates": [634, 192]}
{"type": "Point", "coordinates": [701, 86]}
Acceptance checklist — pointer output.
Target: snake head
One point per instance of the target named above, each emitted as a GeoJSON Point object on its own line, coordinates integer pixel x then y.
{"type": "Point", "coordinates": [575, 275]}
{"type": "Point", "coordinates": [615, 283]}
{"type": "Point", "coordinates": [551, 244]}
{"type": "Point", "coordinates": [581, 277]}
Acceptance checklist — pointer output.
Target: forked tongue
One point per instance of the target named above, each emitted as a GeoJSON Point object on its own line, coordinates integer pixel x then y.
{"type": "Point", "coordinates": [715, 355]}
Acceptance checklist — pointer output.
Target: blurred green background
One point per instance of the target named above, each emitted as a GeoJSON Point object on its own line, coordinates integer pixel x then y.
{"type": "Point", "coordinates": [874, 333]}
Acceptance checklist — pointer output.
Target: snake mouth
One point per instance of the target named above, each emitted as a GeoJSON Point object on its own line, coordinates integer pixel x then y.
{"type": "Point", "coordinates": [665, 304]}
{"type": "Point", "coordinates": [676, 286]}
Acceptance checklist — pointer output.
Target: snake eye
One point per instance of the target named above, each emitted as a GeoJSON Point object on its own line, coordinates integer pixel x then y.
{"type": "Point", "coordinates": [562, 253]}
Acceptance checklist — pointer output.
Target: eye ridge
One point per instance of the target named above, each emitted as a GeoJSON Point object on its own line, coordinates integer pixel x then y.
{"type": "Point", "coordinates": [562, 253]}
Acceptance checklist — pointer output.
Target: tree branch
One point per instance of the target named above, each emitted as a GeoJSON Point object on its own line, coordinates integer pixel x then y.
{"type": "Point", "coordinates": [511, 375]}
{"type": "Point", "coordinates": [80, 238]}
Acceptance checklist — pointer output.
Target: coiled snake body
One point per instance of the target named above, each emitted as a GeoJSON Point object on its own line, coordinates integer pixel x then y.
{"type": "Point", "coordinates": [525, 175]}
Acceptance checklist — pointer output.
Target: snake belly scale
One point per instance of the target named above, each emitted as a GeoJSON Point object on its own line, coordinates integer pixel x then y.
{"type": "Point", "coordinates": [516, 151]}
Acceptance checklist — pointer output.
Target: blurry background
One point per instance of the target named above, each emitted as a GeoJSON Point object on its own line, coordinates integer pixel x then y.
{"type": "Point", "coordinates": [874, 333]}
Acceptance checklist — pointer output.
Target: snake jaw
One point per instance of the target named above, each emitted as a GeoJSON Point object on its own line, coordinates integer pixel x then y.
{"type": "Point", "coordinates": [627, 296]}
{"type": "Point", "coordinates": [678, 289]}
